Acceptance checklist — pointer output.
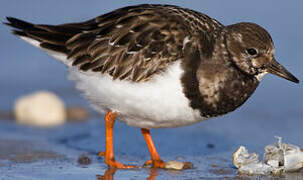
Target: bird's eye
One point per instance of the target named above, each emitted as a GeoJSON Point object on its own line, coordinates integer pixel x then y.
{"type": "Point", "coordinates": [252, 51]}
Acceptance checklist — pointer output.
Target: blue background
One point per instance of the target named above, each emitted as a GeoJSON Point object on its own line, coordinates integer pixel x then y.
{"type": "Point", "coordinates": [276, 108]}
{"type": "Point", "coordinates": [24, 68]}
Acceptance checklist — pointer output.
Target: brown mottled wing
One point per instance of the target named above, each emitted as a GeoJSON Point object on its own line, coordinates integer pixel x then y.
{"type": "Point", "coordinates": [131, 44]}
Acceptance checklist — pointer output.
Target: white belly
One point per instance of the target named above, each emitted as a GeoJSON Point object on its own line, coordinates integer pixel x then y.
{"type": "Point", "coordinates": [156, 104]}
{"type": "Point", "coordinates": [159, 103]}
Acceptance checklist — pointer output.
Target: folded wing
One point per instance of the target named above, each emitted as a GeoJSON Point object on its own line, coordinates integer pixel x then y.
{"type": "Point", "coordinates": [131, 43]}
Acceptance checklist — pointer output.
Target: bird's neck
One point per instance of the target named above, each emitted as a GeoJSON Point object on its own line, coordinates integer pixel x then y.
{"type": "Point", "coordinates": [216, 86]}
{"type": "Point", "coordinates": [222, 85]}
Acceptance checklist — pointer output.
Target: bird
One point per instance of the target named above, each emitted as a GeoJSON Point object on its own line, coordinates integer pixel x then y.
{"type": "Point", "coordinates": [158, 66]}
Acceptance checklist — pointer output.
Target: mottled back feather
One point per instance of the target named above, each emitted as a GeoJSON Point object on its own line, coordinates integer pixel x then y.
{"type": "Point", "coordinates": [131, 43]}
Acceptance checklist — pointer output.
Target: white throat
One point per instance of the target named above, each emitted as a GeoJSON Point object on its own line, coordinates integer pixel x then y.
{"type": "Point", "coordinates": [261, 75]}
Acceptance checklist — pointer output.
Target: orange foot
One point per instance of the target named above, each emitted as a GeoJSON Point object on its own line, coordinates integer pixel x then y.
{"type": "Point", "coordinates": [109, 157]}
{"type": "Point", "coordinates": [109, 152]}
{"type": "Point", "coordinates": [155, 163]}
{"type": "Point", "coordinates": [115, 164]}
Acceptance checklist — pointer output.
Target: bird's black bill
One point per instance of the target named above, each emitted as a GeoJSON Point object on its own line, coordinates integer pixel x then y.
{"type": "Point", "coordinates": [277, 69]}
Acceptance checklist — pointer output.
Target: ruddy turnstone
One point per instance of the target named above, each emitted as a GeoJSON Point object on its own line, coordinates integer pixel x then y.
{"type": "Point", "coordinates": [158, 66]}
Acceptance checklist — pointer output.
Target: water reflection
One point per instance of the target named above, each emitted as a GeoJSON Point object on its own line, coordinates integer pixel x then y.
{"type": "Point", "coordinates": [110, 172]}
{"type": "Point", "coordinates": [108, 175]}
{"type": "Point", "coordinates": [153, 173]}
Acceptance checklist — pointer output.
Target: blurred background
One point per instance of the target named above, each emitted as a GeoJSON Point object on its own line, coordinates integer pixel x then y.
{"type": "Point", "coordinates": [276, 108]}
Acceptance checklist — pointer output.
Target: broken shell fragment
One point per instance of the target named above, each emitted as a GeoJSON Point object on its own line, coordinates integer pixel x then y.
{"type": "Point", "coordinates": [293, 158]}
{"type": "Point", "coordinates": [273, 154]}
{"type": "Point", "coordinates": [273, 163]}
{"type": "Point", "coordinates": [241, 157]}
{"type": "Point", "coordinates": [278, 158]}
{"type": "Point", "coordinates": [249, 163]}
{"type": "Point", "coordinates": [257, 168]}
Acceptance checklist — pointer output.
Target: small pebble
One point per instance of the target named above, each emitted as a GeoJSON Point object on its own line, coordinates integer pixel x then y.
{"type": "Point", "coordinates": [6, 115]}
{"type": "Point", "coordinates": [77, 114]}
{"type": "Point", "coordinates": [174, 165]}
{"type": "Point", "coordinates": [210, 146]}
{"type": "Point", "coordinates": [188, 165]}
{"type": "Point", "coordinates": [84, 160]}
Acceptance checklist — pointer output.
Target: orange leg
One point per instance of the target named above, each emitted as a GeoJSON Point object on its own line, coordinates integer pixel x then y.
{"type": "Point", "coordinates": [110, 118]}
{"type": "Point", "coordinates": [156, 161]}
{"type": "Point", "coordinates": [155, 158]}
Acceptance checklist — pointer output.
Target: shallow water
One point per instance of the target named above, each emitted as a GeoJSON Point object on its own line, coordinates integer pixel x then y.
{"type": "Point", "coordinates": [34, 153]}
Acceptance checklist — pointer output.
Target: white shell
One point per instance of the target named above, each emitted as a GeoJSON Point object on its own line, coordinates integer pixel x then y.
{"type": "Point", "coordinates": [241, 157]}
{"type": "Point", "coordinates": [293, 158]}
{"type": "Point", "coordinates": [257, 168]}
{"type": "Point", "coordinates": [40, 109]}
{"type": "Point", "coordinates": [278, 158]}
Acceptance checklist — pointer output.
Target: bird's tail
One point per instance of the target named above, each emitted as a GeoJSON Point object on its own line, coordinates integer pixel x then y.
{"type": "Point", "coordinates": [43, 36]}
{"type": "Point", "coordinates": [51, 38]}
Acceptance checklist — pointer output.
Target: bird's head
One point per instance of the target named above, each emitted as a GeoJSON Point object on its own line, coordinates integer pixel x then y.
{"type": "Point", "coordinates": [251, 49]}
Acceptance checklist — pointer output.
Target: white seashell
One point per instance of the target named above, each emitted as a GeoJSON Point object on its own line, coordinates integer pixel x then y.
{"type": "Point", "coordinates": [40, 109]}
{"type": "Point", "coordinates": [278, 158]}
{"type": "Point", "coordinates": [256, 168]}
{"type": "Point", "coordinates": [273, 154]}
{"type": "Point", "coordinates": [293, 158]}
{"type": "Point", "coordinates": [273, 163]}
{"type": "Point", "coordinates": [241, 157]}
